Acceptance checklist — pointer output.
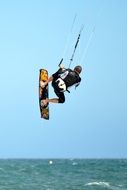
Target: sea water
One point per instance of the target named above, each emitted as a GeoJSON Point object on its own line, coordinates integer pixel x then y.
{"type": "Point", "coordinates": [63, 174]}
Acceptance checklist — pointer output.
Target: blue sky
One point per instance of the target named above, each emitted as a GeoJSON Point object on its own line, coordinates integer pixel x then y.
{"type": "Point", "coordinates": [93, 121]}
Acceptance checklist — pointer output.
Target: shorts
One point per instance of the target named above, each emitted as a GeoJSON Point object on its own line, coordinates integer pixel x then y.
{"type": "Point", "coordinates": [59, 94]}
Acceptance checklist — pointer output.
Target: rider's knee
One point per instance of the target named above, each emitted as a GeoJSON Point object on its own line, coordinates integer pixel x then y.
{"type": "Point", "coordinates": [61, 100]}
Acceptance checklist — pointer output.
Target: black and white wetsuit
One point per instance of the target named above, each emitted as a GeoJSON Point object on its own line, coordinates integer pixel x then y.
{"type": "Point", "coordinates": [64, 79]}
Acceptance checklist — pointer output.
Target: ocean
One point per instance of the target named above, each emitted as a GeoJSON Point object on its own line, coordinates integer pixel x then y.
{"type": "Point", "coordinates": [63, 174]}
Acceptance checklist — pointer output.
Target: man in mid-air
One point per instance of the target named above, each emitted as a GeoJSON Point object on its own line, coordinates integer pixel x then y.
{"type": "Point", "coordinates": [62, 80]}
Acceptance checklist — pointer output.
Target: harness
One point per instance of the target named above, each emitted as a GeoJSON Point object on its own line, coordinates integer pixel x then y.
{"type": "Point", "coordinates": [66, 78]}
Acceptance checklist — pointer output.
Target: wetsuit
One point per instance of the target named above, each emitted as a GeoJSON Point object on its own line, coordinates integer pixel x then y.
{"type": "Point", "coordinates": [68, 78]}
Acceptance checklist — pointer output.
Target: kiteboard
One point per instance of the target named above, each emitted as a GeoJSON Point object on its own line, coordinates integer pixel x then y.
{"type": "Point", "coordinates": [43, 94]}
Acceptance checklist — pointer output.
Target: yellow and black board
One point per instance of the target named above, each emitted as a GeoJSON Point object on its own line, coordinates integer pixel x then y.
{"type": "Point", "coordinates": [43, 94]}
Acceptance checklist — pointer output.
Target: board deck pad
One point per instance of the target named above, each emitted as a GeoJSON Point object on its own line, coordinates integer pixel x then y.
{"type": "Point", "coordinates": [43, 94]}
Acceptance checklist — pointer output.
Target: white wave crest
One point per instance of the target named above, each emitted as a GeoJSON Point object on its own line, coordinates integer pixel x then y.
{"type": "Point", "coordinates": [101, 183]}
{"type": "Point", "coordinates": [106, 185]}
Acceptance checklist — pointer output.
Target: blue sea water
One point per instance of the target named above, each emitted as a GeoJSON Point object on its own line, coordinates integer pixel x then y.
{"type": "Point", "coordinates": [63, 174]}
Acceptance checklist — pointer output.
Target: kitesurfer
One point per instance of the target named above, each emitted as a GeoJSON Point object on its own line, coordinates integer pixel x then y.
{"type": "Point", "coordinates": [62, 80]}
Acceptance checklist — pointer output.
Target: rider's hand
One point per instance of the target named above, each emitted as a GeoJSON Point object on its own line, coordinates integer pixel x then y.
{"type": "Point", "coordinates": [42, 84]}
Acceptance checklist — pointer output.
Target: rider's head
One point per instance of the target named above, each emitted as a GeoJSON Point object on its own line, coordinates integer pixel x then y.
{"type": "Point", "coordinates": [78, 69]}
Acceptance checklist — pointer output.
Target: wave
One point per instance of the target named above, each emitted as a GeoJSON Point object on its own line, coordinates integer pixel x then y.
{"type": "Point", "coordinates": [74, 163]}
{"type": "Point", "coordinates": [101, 183]}
{"type": "Point", "coordinates": [105, 185]}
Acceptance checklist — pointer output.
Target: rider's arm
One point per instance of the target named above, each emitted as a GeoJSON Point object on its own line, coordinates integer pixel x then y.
{"type": "Point", "coordinates": [49, 80]}
{"type": "Point", "coordinates": [43, 84]}
{"type": "Point", "coordinates": [78, 83]}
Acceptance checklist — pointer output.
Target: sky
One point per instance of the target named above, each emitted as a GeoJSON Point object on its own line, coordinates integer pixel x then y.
{"type": "Point", "coordinates": [92, 123]}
